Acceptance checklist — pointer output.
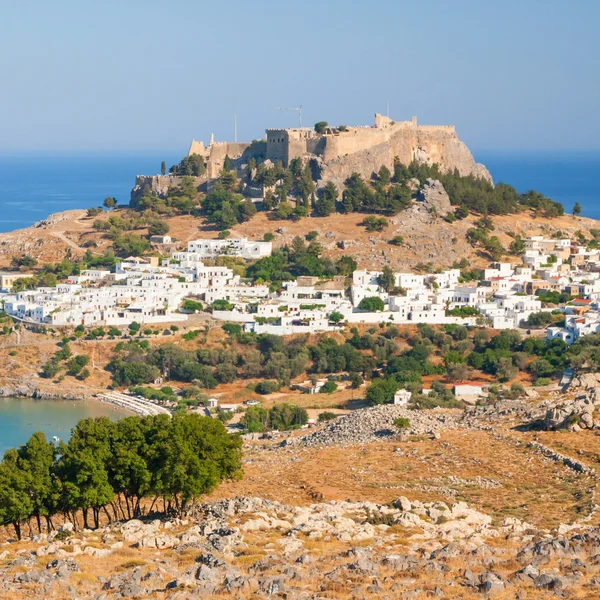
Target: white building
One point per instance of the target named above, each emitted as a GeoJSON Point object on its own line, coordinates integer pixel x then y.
{"type": "Point", "coordinates": [230, 247]}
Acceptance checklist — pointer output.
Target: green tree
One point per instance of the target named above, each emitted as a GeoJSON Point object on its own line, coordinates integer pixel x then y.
{"type": "Point", "coordinates": [109, 202]}
{"type": "Point", "coordinates": [386, 279]}
{"type": "Point", "coordinates": [321, 126]}
{"type": "Point", "coordinates": [576, 209]}
{"type": "Point", "coordinates": [372, 304]}
{"type": "Point", "coordinates": [158, 228]}
{"type": "Point", "coordinates": [16, 504]}
{"type": "Point", "coordinates": [329, 387]}
{"type": "Point", "coordinates": [327, 198]}
{"type": "Point", "coordinates": [163, 168]}
{"type": "Point", "coordinates": [37, 458]}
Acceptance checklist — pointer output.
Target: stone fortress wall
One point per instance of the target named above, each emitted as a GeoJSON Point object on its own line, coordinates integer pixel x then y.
{"type": "Point", "coordinates": [341, 153]}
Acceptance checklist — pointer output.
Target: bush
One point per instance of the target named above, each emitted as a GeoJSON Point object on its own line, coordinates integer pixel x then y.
{"type": "Point", "coordinates": [401, 423]}
{"type": "Point", "coordinates": [192, 305]}
{"type": "Point", "coordinates": [266, 387]}
{"type": "Point", "coordinates": [233, 329]}
{"type": "Point", "coordinates": [326, 416]}
{"type": "Point", "coordinates": [541, 381]}
{"type": "Point", "coordinates": [328, 388]}
{"type": "Point", "coordinates": [372, 304]}
{"type": "Point", "coordinates": [268, 237]}
{"type": "Point", "coordinates": [223, 235]}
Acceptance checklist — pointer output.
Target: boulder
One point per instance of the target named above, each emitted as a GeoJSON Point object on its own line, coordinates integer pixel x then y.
{"type": "Point", "coordinates": [434, 197]}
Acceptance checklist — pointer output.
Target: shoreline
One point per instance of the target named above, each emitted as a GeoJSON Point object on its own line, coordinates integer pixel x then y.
{"type": "Point", "coordinates": [9, 391]}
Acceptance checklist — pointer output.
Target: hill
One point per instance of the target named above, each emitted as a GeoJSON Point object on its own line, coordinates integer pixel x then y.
{"type": "Point", "coordinates": [427, 238]}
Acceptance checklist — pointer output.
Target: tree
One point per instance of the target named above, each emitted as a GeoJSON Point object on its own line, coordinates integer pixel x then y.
{"type": "Point", "coordinates": [384, 176]}
{"type": "Point", "coordinates": [256, 419]}
{"type": "Point", "coordinates": [327, 198]}
{"type": "Point", "coordinates": [381, 391]}
{"type": "Point", "coordinates": [83, 468]}
{"type": "Point", "coordinates": [386, 279]}
{"type": "Point", "coordinates": [576, 209]}
{"type": "Point", "coordinates": [158, 228]}
{"type": "Point", "coordinates": [336, 317]}
{"type": "Point", "coordinates": [37, 458]}
{"type": "Point", "coordinates": [372, 304]}
{"type": "Point", "coordinates": [109, 202]}
{"type": "Point", "coordinates": [329, 387]}
{"type": "Point", "coordinates": [163, 168]}
{"type": "Point", "coordinates": [16, 505]}
{"type": "Point", "coordinates": [227, 163]}
{"type": "Point", "coordinates": [321, 126]}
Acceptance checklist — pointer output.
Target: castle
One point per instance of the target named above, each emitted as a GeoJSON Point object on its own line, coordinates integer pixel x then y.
{"type": "Point", "coordinates": [342, 151]}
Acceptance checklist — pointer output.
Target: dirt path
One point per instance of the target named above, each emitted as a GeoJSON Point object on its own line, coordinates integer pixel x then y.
{"type": "Point", "coordinates": [61, 236]}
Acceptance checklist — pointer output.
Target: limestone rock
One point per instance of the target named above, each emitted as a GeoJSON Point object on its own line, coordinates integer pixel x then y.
{"type": "Point", "coordinates": [434, 197]}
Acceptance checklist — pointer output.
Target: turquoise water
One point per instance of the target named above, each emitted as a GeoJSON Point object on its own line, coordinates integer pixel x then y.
{"type": "Point", "coordinates": [20, 417]}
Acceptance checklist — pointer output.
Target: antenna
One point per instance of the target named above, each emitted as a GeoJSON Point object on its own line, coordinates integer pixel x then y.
{"type": "Point", "coordinates": [298, 108]}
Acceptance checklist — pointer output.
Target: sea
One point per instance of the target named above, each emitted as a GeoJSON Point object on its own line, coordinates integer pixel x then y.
{"type": "Point", "coordinates": [21, 417]}
{"type": "Point", "coordinates": [32, 187]}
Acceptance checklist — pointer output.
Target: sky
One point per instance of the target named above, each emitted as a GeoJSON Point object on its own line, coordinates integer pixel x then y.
{"type": "Point", "coordinates": [133, 75]}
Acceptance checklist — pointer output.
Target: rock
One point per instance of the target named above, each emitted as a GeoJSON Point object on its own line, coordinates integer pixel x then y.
{"type": "Point", "coordinates": [403, 503]}
{"type": "Point", "coordinates": [133, 590]}
{"type": "Point", "coordinates": [66, 528]}
{"type": "Point", "coordinates": [572, 415]}
{"type": "Point", "coordinates": [374, 423]}
{"type": "Point", "coordinates": [67, 563]}
{"type": "Point", "coordinates": [434, 197]}
{"type": "Point", "coordinates": [491, 584]}
{"type": "Point", "coordinates": [210, 574]}
{"type": "Point", "coordinates": [160, 542]}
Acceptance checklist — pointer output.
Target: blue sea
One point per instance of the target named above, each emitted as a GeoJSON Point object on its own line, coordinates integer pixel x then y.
{"type": "Point", "coordinates": [567, 177]}
{"type": "Point", "coordinates": [32, 187]}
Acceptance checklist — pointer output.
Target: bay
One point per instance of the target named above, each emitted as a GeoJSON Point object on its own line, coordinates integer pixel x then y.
{"type": "Point", "coordinates": [20, 417]}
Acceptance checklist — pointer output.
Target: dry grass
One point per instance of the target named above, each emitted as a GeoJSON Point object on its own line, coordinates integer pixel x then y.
{"type": "Point", "coordinates": [530, 488]}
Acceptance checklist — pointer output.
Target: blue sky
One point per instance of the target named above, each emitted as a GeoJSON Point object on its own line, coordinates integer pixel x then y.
{"type": "Point", "coordinates": [151, 75]}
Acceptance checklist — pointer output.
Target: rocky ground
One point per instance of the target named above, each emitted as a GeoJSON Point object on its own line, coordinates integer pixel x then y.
{"type": "Point", "coordinates": [353, 510]}
{"type": "Point", "coordinates": [253, 548]}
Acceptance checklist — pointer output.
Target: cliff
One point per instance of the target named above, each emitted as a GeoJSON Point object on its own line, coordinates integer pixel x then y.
{"type": "Point", "coordinates": [365, 150]}
{"type": "Point", "coordinates": [159, 184]}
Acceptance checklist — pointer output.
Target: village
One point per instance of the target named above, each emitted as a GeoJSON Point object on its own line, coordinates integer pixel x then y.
{"type": "Point", "coordinates": [152, 291]}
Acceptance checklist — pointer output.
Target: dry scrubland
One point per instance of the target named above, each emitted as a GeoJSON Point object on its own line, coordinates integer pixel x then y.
{"type": "Point", "coordinates": [426, 238]}
{"type": "Point", "coordinates": [323, 528]}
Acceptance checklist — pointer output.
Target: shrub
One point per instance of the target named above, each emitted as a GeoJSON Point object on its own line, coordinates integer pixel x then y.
{"type": "Point", "coordinates": [266, 387]}
{"type": "Point", "coordinates": [328, 388]}
{"type": "Point", "coordinates": [372, 304]}
{"type": "Point", "coordinates": [326, 416]}
{"type": "Point", "coordinates": [401, 423]}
